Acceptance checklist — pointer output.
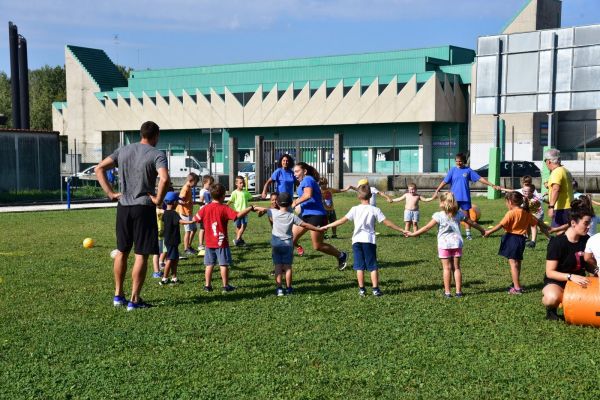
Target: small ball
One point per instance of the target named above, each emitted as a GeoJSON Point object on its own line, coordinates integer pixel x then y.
{"type": "Point", "coordinates": [88, 243]}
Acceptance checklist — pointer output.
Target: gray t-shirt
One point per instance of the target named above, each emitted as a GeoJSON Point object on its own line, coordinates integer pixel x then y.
{"type": "Point", "coordinates": [138, 168]}
{"type": "Point", "coordinates": [283, 221]}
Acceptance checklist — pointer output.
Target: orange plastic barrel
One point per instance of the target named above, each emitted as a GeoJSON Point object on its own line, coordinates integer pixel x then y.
{"type": "Point", "coordinates": [582, 304]}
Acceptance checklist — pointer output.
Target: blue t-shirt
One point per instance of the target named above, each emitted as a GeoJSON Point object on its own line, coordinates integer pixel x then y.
{"type": "Point", "coordinates": [459, 179]}
{"type": "Point", "coordinates": [314, 205]}
{"type": "Point", "coordinates": [284, 178]}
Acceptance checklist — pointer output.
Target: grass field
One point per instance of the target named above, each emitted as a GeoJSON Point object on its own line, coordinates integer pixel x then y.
{"type": "Point", "coordinates": [60, 336]}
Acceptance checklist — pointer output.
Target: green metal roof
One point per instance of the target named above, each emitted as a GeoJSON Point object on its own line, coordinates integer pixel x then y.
{"type": "Point", "coordinates": [99, 66]}
{"type": "Point", "coordinates": [248, 77]}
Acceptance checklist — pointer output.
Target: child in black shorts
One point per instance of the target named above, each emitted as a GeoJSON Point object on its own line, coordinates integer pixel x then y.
{"type": "Point", "coordinates": [172, 238]}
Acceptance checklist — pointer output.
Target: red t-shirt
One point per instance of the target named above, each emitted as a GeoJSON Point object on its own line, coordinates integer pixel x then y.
{"type": "Point", "coordinates": [215, 216]}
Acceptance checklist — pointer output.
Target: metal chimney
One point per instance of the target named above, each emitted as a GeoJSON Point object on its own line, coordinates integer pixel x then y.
{"type": "Point", "coordinates": [14, 74]}
{"type": "Point", "coordinates": [23, 83]}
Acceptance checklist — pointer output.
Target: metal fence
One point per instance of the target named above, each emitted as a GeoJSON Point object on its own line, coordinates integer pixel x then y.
{"type": "Point", "coordinates": [29, 161]}
{"type": "Point", "coordinates": [315, 152]}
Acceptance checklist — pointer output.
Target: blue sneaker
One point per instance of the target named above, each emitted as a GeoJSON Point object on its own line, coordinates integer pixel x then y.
{"type": "Point", "coordinates": [448, 295]}
{"type": "Point", "coordinates": [342, 261]}
{"type": "Point", "coordinates": [377, 292]}
{"type": "Point", "coordinates": [208, 288]}
{"type": "Point", "coordinates": [279, 292]}
{"type": "Point", "coordinates": [157, 274]}
{"type": "Point", "coordinates": [119, 301]}
{"type": "Point", "coordinates": [458, 294]}
{"type": "Point", "coordinates": [228, 288]}
{"type": "Point", "coordinates": [362, 292]}
{"type": "Point", "coordinates": [139, 305]}
{"type": "Point", "coordinates": [289, 290]}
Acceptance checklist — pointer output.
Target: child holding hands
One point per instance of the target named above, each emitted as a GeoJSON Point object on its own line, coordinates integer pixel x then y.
{"type": "Point", "coordinates": [450, 240]}
{"type": "Point", "coordinates": [411, 208]}
{"type": "Point", "coordinates": [516, 223]}
{"type": "Point", "coordinates": [364, 248]}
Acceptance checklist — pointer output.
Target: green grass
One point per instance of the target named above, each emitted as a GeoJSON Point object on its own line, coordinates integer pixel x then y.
{"type": "Point", "coordinates": [60, 336]}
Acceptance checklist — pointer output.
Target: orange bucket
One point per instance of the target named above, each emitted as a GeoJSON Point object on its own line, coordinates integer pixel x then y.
{"type": "Point", "coordinates": [582, 304]}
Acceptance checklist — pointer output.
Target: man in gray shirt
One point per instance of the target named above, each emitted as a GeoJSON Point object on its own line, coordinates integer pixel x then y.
{"type": "Point", "coordinates": [139, 166]}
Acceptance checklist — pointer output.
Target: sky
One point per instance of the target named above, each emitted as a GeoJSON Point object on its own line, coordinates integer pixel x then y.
{"type": "Point", "coordinates": [184, 33]}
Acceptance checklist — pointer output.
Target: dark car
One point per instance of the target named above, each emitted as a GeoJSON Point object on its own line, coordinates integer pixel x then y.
{"type": "Point", "coordinates": [521, 168]}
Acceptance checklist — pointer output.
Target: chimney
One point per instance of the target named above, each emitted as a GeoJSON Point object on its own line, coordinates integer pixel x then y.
{"type": "Point", "coordinates": [14, 74]}
{"type": "Point", "coordinates": [23, 83]}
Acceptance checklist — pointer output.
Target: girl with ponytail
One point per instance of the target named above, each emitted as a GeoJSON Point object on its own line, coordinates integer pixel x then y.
{"type": "Point", "coordinates": [450, 240]}
{"type": "Point", "coordinates": [516, 222]}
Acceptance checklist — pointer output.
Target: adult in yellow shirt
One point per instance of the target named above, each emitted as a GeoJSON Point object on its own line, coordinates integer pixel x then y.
{"type": "Point", "coordinates": [560, 189]}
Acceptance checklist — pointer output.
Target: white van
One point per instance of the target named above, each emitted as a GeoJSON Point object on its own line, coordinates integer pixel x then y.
{"type": "Point", "coordinates": [180, 166]}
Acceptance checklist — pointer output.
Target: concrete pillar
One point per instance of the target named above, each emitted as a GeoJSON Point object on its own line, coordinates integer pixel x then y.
{"type": "Point", "coordinates": [233, 162]}
{"type": "Point", "coordinates": [425, 147]}
{"type": "Point", "coordinates": [338, 161]}
{"type": "Point", "coordinates": [347, 160]}
{"type": "Point", "coordinates": [372, 158]}
{"type": "Point", "coordinates": [259, 163]}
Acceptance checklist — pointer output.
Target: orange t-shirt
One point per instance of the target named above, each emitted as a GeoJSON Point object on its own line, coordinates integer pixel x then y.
{"type": "Point", "coordinates": [186, 208]}
{"type": "Point", "coordinates": [517, 221]}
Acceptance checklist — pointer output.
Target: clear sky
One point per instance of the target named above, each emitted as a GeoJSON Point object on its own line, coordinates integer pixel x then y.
{"type": "Point", "coordinates": [182, 33]}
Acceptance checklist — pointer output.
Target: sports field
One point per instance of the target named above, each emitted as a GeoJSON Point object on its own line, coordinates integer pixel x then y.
{"type": "Point", "coordinates": [60, 336]}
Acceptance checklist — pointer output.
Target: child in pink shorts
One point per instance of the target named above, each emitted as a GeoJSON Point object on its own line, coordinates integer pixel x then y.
{"type": "Point", "coordinates": [450, 241]}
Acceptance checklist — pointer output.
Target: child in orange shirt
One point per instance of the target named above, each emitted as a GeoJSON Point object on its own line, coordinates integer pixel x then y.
{"type": "Point", "coordinates": [516, 223]}
{"type": "Point", "coordinates": [186, 212]}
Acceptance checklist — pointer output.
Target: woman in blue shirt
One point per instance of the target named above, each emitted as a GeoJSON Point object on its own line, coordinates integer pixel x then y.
{"type": "Point", "coordinates": [310, 201]}
{"type": "Point", "coordinates": [283, 177]}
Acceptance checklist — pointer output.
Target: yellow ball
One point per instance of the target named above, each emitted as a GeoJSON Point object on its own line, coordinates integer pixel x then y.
{"type": "Point", "coordinates": [88, 243]}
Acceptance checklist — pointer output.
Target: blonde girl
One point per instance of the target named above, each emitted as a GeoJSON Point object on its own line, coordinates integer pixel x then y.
{"type": "Point", "coordinates": [450, 240]}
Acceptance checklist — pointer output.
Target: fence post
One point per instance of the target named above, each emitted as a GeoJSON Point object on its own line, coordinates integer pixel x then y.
{"type": "Point", "coordinates": [259, 173]}
{"type": "Point", "coordinates": [338, 161]}
{"type": "Point", "coordinates": [233, 162]}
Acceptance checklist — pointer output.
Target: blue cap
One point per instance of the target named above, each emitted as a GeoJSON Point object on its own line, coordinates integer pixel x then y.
{"type": "Point", "coordinates": [172, 197]}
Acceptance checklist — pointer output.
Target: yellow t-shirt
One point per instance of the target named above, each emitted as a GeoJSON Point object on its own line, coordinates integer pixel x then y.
{"type": "Point", "coordinates": [562, 177]}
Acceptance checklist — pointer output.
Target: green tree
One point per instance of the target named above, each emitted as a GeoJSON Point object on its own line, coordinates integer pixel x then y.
{"type": "Point", "coordinates": [5, 102]}
{"type": "Point", "coordinates": [46, 85]}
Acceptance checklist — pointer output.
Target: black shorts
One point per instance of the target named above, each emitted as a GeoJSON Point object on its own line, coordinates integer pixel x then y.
{"type": "Point", "coordinates": [137, 224]}
{"type": "Point", "coordinates": [316, 220]}
{"type": "Point", "coordinates": [331, 216]}
{"type": "Point", "coordinates": [512, 246]}
{"type": "Point", "coordinates": [548, 281]}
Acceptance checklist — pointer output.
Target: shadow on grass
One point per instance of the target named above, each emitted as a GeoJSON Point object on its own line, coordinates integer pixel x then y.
{"type": "Point", "coordinates": [504, 289]}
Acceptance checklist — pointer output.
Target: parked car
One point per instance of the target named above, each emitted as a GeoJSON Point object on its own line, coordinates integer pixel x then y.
{"type": "Point", "coordinates": [521, 168]}
{"type": "Point", "coordinates": [180, 166]}
{"type": "Point", "coordinates": [248, 172]}
{"type": "Point", "coordinates": [86, 173]}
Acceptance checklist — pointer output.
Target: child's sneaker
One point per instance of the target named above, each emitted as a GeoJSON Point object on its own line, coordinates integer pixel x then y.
{"type": "Point", "coordinates": [334, 236]}
{"type": "Point", "coordinates": [448, 295]}
{"type": "Point", "coordinates": [300, 251]}
{"type": "Point", "coordinates": [228, 288]}
{"type": "Point", "coordinates": [342, 261]}
{"type": "Point", "coordinates": [512, 290]}
{"type": "Point", "coordinates": [362, 292]}
{"type": "Point", "coordinates": [176, 281]}
{"type": "Point", "coordinates": [377, 292]}
{"type": "Point", "coordinates": [279, 292]}
{"type": "Point", "coordinates": [119, 301]}
{"type": "Point", "coordinates": [530, 244]}
{"type": "Point", "coordinates": [200, 248]}
{"type": "Point", "coordinates": [190, 252]}
{"type": "Point", "coordinates": [458, 294]}
{"type": "Point", "coordinates": [289, 290]}
{"type": "Point", "coordinates": [140, 304]}
{"type": "Point", "coordinates": [469, 237]}
{"type": "Point", "coordinates": [157, 274]}
{"type": "Point", "coordinates": [208, 288]}
{"type": "Point", "coordinates": [162, 266]}
{"type": "Point", "coordinates": [164, 281]}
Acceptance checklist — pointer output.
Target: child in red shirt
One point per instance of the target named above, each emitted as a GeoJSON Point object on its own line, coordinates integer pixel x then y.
{"type": "Point", "coordinates": [215, 217]}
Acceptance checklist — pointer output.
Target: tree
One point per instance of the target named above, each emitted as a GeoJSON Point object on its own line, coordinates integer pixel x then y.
{"type": "Point", "coordinates": [46, 85]}
{"type": "Point", "coordinates": [5, 102]}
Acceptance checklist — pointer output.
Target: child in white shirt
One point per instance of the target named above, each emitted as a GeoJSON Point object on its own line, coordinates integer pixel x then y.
{"type": "Point", "coordinates": [363, 239]}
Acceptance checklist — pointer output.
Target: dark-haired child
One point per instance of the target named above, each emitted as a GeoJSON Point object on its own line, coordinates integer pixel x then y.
{"type": "Point", "coordinates": [172, 238]}
{"type": "Point", "coordinates": [516, 222]}
{"type": "Point", "coordinates": [215, 217]}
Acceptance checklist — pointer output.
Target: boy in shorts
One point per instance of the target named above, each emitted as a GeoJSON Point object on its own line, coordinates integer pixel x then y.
{"type": "Point", "coordinates": [172, 238]}
{"type": "Point", "coordinates": [411, 208]}
{"type": "Point", "coordinates": [239, 201]}
{"type": "Point", "coordinates": [185, 210]}
{"type": "Point", "coordinates": [364, 248]}
{"type": "Point", "coordinates": [215, 217]}
{"type": "Point", "coordinates": [281, 240]}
